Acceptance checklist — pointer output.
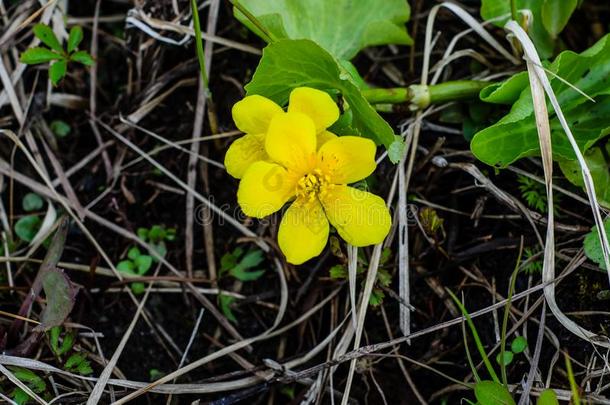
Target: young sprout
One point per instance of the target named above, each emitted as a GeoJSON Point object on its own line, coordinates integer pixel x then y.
{"type": "Point", "coordinates": [55, 53]}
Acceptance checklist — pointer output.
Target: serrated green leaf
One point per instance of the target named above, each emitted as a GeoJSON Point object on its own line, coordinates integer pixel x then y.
{"type": "Point", "coordinates": [342, 27]}
{"type": "Point", "coordinates": [82, 57]}
{"type": "Point", "coordinates": [251, 259]}
{"type": "Point", "coordinates": [75, 38]}
{"type": "Point", "coordinates": [57, 71]}
{"type": "Point", "coordinates": [599, 168]}
{"type": "Point", "coordinates": [593, 247]}
{"type": "Point", "coordinates": [34, 56]}
{"type": "Point", "coordinates": [243, 275]}
{"type": "Point", "coordinates": [338, 271]}
{"type": "Point", "coordinates": [547, 397]}
{"type": "Point", "coordinates": [556, 13]}
{"type": "Point", "coordinates": [26, 227]}
{"type": "Point", "coordinates": [47, 36]}
{"type": "Point", "coordinates": [515, 135]}
{"type": "Point", "coordinates": [492, 393]}
{"type": "Point", "coordinates": [542, 39]}
{"type": "Point", "coordinates": [32, 202]}
{"type": "Point", "coordinates": [288, 64]}
{"type": "Point", "coordinates": [79, 363]}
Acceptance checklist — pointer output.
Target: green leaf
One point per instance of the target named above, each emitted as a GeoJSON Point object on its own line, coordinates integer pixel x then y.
{"type": "Point", "coordinates": [508, 358]}
{"type": "Point", "coordinates": [127, 267]}
{"type": "Point", "coordinates": [142, 234]}
{"type": "Point", "coordinates": [26, 227]}
{"type": "Point", "coordinates": [600, 172]}
{"type": "Point", "coordinates": [593, 247]}
{"type": "Point", "coordinates": [556, 13]}
{"type": "Point", "coordinates": [243, 275]}
{"type": "Point", "coordinates": [57, 71]}
{"type": "Point", "coordinates": [60, 128]}
{"type": "Point", "coordinates": [540, 36]}
{"type": "Point", "coordinates": [66, 344]}
{"type": "Point", "coordinates": [518, 344]}
{"type": "Point", "coordinates": [156, 233]}
{"type": "Point", "coordinates": [47, 36]}
{"type": "Point", "coordinates": [61, 296]}
{"type": "Point", "coordinates": [547, 397]}
{"type": "Point", "coordinates": [34, 56]}
{"type": "Point", "coordinates": [143, 263]}
{"type": "Point", "coordinates": [492, 393]}
{"type": "Point", "coordinates": [506, 92]}
{"type": "Point", "coordinates": [133, 253]}
{"type": "Point", "coordinates": [396, 150]}
{"type": "Point", "coordinates": [225, 302]}
{"type": "Point", "coordinates": [287, 64]}
{"type": "Point", "coordinates": [338, 272]}
{"type": "Point", "coordinates": [252, 259]}
{"type": "Point", "coordinates": [32, 202]}
{"type": "Point", "coordinates": [20, 396]}
{"type": "Point", "coordinates": [342, 27]}
{"type": "Point", "coordinates": [138, 288]}
{"type": "Point", "coordinates": [79, 363]}
{"type": "Point", "coordinates": [82, 57]}
{"type": "Point", "coordinates": [75, 38]}
{"type": "Point", "coordinates": [515, 135]}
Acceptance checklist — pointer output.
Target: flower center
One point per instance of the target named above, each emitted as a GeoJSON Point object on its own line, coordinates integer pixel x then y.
{"type": "Point", "coordinates": [312, 185]}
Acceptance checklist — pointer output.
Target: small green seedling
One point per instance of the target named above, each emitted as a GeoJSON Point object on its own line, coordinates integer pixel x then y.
{"type": "Point", "coordinates": [78, 363]}
{"type": "Point", "coordinates": [225, 302]}
{"type": "Point", "coordinates": [27, 226]}
{"type": "Point", "coordinates": [60, 128]}
{"type": "Point", "coordinates": [237, 264]}
{"type": "Point", "coordinates": [156, 236]}
{"type": "Point", "coordinates": [517, 346]}
{"type": "Point", "coordinates": [534, 193]}
{"type": "Point", "coordinates": [136, 264]}
{"type": "Point", "coordinates": [29, 378]}
{"type": "Point", "coordinates": [66, 343]}
{"type": "Point", "coordinates": [530, 265]}
{"type": "Point", "coordinates": [55, 53]}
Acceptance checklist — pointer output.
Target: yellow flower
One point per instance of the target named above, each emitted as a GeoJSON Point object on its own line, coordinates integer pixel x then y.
{"type": "Point", "coordinates": [317, 181]}
{"type": "Point", "coordinates": [253, 115]}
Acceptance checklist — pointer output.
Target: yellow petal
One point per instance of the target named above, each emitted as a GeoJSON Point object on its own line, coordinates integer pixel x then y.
{"type": "Point", "coordinates": [291, 141]}
{"type": "Point", "coordinates": [324, 137]}
{"type": "Point", "coordinates": [303, 231]}
{"type": "Point", "coordinates": [264, 189]}
{"type": "Point", "coordinates": [317, 104]}
{"type": "Point", "coordinates": [243, 152]}
{"type": "Point", "coordinates": [347, 159]}
{"type": "Point", "coordinates": [253, 114]}
{"type": "Point", "coordinates": [361, 218]}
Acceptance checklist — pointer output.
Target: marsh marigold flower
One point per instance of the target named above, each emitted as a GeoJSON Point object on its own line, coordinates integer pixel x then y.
{"type": "Point", "coordinates": [253, 114]}
{"type": "Point", "coordinates": [297, 164]}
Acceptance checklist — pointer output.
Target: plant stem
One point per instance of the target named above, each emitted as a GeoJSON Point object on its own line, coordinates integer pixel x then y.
{"type": "Point", "coordinates": [268, 35]}
{"type": "Point", "coordinates": [199, 46]}
{"type": "Point", "coordinates": [422, 96]}
{"type": "Point", "coordinates": [513, 10]}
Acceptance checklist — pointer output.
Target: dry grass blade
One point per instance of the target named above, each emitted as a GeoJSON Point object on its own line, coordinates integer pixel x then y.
{"type": "Point", "coordinates": [540, 84]}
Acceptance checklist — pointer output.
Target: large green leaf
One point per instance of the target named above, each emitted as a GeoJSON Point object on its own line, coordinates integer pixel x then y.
{"type": "Point", "coordinates": [556, 13]}
{"type": "Point", "coordinates": [287, 64]}
{"type": "Point", "coordinates": [342, 27]}
{"type": "Point", "coordinates": [492, 393]}
{"type": "Point", "coordinates": [600, 171]}
{"type": "Point", "coordinates": [515, 135]}
{"type": "Point", "coordinates": [540, 36]}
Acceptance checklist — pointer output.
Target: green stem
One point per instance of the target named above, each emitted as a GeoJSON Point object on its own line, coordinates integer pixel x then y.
{"type": "Point", "coordinates": [422, 96]}
{"type": "Point", "coordinates": [513, 10]}
{"type": "Point", "coordinates": [268, 35]}
{"type": "Point", "coordinates": [199, 46]}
